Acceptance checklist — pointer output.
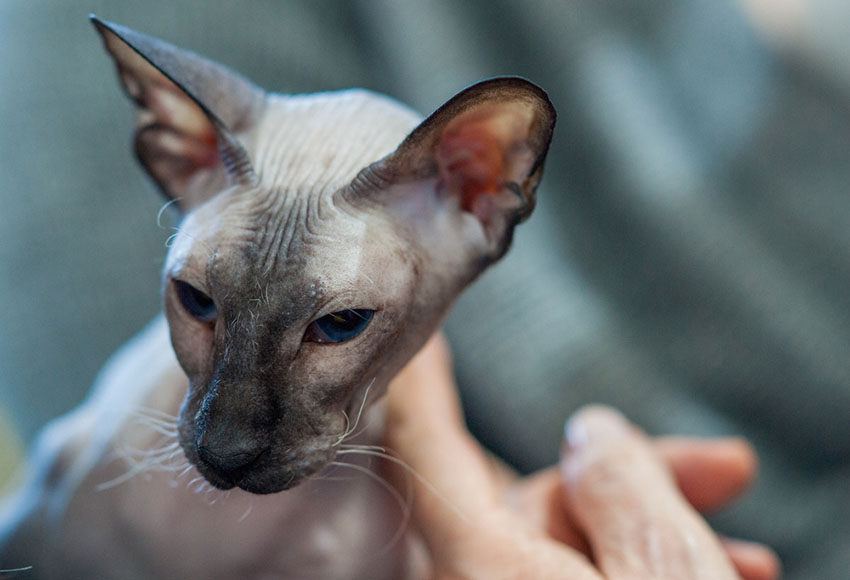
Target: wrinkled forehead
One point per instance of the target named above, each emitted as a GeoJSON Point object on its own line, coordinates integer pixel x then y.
{"type": "Point", "coordinates": [319, 142]}
{"type": "Point", "coordinates": [295, 263]}
{"type": "Point", "coordinates": [298, 269]}
{"type": "Point", "coordinates": [287, 244]}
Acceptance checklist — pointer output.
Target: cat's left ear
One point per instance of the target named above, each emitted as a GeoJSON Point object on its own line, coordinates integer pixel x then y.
{"type": "Point", "coordinates": [482, 150]}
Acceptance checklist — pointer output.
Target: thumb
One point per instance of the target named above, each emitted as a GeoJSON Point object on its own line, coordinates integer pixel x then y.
{"type": "Point", "coordinates": [627, 502]}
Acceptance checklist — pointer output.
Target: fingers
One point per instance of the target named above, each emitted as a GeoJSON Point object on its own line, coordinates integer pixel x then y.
{"type": "Point", "coordinates": [627, 503]}
{"type": "Point", "coordinates": [623, 492]}
{"type": "Point", "coordinates": [457, 491]}
{"type": "Point", "coordinates": [753, 561]}
{"type": "Point", "coordinates": [710, 473]}
{"type": "Point", "coordinates": [539, 500]}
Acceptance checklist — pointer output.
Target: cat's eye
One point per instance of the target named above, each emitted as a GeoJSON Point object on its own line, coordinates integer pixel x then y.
{"type": "Point", "coordinates": [338, 326]}
{"type": "Point", "coordinates": [196, 303]}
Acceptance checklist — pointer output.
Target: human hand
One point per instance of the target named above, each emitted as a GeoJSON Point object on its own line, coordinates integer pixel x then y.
{"type": "Point", "coordinates": [618, 506]}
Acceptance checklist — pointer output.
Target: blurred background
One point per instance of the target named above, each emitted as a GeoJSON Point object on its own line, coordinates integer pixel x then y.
{"type": "Point", "coordinates": [689, 260]}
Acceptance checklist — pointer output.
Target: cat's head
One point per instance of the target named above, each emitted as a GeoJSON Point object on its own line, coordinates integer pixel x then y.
{"type": "Point", "coordinates": [324, 238]}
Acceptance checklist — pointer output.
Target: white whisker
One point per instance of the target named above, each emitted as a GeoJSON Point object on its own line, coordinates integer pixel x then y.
{"type": "Point", "coordinates": [162, 209]}
{"type": "Point", "coordinates": [404, 505]}
{"type": "Point", "coordinates": [131, 473]}
{"type": "Point", "coordinates": [350, 428]}
{"type": "Point", "coordinates": [385, 454]}
{"type": "Point", "coordinates": [153, 412]}
{"type": "Point", "coordinates": [345, 431]}
{"type": "Point", "coordinates": [195, 480]}
{"type": "Point", "coordinates": [188, 468]}
{"type": "Point", "coordinates": [360, 431]}
{"type": "Point", "coordinates": [159, 421]}
{"type": "Point", "coordinates": [247, 511]}
{"type": "Point", "coordinates": [353, 446]}
{"type": "Point", "coordinates": [167, 458]}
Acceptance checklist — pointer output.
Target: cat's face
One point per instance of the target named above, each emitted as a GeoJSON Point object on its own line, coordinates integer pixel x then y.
{"type": "Point", "coordinates": [285, 334]}
{"type": "Point", "coordinates": [325, 237]}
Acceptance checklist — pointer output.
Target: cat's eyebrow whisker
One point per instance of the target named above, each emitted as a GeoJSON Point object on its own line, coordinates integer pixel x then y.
{"type": "Point", "coordinates": [178, 231]}
{"type": "Point", "coordinates": [162, 209]}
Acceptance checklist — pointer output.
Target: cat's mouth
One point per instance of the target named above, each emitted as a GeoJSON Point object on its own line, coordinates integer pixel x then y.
{"type": "Point", "coordinates": [269, 472]}
{"type": "Point", "coordinates": [270, 457]}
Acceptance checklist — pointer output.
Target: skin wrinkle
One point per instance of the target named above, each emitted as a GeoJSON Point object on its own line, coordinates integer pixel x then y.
{"type": "Point", "coordinates": [273, 257]}
{"type": "Point", "coordinates": [285, 235]}
{"type": "Point", "coordinates": [361, 131]}
{"type": "Point", "coordinates": [313, 219]}
{"type": "Point", "coordinates": [266, 235]}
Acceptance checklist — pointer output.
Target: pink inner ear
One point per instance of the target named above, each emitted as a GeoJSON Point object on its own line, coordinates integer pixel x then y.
{"type": "Point", "coordinates": [183, 130]}
{"type": "Point", "coordinates": [195, 139]}
{"type": "Point", "coordinates": [471, 159]}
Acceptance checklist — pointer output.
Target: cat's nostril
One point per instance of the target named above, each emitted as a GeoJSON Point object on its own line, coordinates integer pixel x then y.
{"type": "Point", "coordinates": [230, 460]}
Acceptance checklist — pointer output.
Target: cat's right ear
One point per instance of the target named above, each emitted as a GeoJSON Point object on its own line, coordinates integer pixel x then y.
{"type": "Point", "coordinates": [480, 154]}
{"type": "Point", "coordinates": [189, 109]}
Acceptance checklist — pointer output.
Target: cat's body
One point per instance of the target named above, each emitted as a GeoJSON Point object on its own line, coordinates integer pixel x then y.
{"type": "Point", "coordinates": [161, 524]}
{"type": "Point", "coordinates": [315, 257]}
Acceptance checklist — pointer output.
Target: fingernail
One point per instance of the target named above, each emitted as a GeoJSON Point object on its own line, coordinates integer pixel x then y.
{"type": "Point", "coordinates": [594, 425]}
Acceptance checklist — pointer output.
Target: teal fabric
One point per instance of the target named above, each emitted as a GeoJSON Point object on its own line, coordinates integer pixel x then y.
{"type": "Point", "coordinates": [688, 262]}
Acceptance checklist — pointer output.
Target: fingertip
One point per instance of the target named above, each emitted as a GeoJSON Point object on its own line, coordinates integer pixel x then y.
{"type": "Point", "coordinates": [752, 560]}
{"type": "Point", "coordinates": [748, 462]}
{"type": "Point", "coordinates": [594, 424]}
{"type": "Point", "coordinates": [743, 463]}
{"type": "Point", "coordinates": [604, 454]}
{"type": "Point", "coordinates": [710, 472]}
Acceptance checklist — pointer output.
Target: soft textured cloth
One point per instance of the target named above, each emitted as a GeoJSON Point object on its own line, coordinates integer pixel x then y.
{"type": "Point", "coordinates": [689, 260]}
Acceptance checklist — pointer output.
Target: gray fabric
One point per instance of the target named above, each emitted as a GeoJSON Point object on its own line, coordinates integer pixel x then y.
{"type": "Point", "coordinates": [688, 262]}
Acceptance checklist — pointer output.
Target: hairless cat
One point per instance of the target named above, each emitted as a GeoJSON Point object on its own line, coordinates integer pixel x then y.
{"type": "Point", "coordinates": [323, 238]}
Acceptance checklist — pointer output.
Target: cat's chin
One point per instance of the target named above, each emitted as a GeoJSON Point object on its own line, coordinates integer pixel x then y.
{"type": "Point", "coordinates": [259, 482]}
{"type": "Point", "coordinates": [268, 485]}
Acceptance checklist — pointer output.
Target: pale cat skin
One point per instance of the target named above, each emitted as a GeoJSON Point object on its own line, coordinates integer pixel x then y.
{"type": "Point", "coordinates": [295, 207]}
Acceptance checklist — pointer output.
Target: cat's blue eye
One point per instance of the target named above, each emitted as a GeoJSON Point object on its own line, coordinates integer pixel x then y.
{"type": "Point", "coordinates": [196, 303]}
{"type": "Point", "coordinates": [338, 326]}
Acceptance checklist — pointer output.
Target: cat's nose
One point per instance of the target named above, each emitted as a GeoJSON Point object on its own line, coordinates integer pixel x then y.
{"type": "Point", "coordinates": [230, 460]}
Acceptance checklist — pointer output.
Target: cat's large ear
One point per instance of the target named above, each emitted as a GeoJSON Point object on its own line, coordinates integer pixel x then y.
{"type": "Point", "coordinates": [189, 109]}
{"type": "Point", "coordinates": [483, 150]}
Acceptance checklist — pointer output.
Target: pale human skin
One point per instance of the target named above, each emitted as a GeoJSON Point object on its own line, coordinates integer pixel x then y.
{"type": "Point", "coordinates": [618, 506]}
